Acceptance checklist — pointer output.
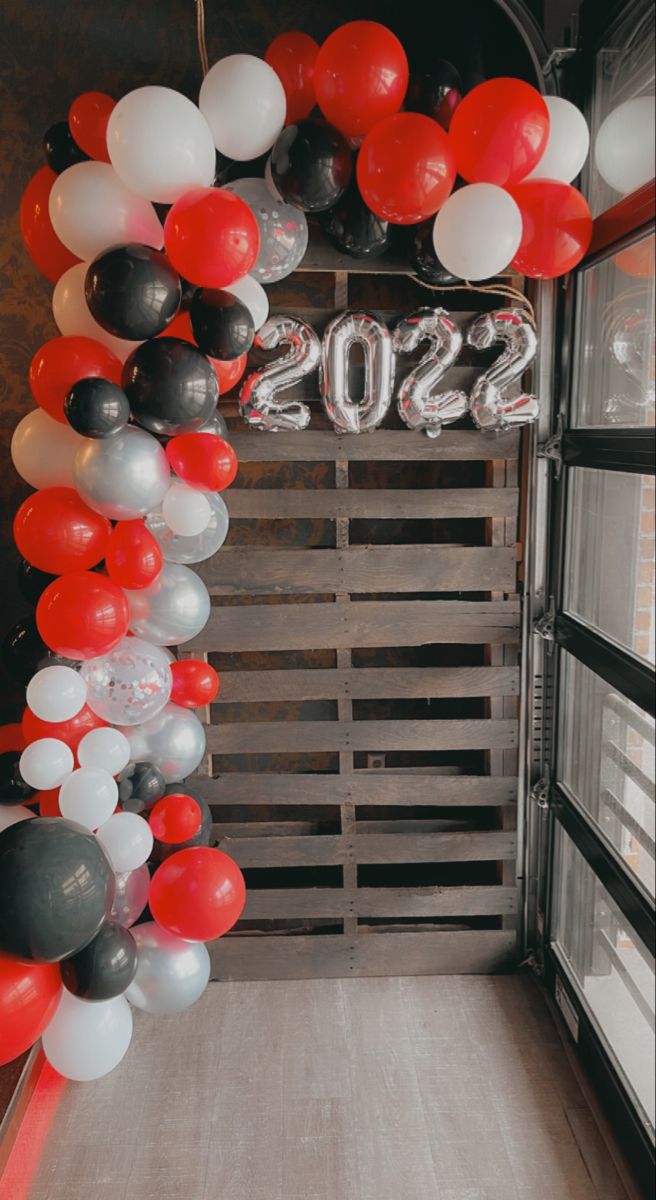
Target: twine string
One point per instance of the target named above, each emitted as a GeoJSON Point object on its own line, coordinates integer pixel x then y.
{"type": "Point", "coordinates": [505, 290]}
{"type": "Point", "coordinates": [200, 35]}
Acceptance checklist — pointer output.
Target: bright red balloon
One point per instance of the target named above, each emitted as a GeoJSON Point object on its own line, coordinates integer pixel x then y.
{"type": "Point", "coordinates": [48, 254]}
{"type": "Point", "coordinates": [48, 803]}
{"type": "Point", "coordinates": [211, 237]}
{"type": "Point", "coordinates": [360, 76]}
{"type": "Point", "coordinates": [82, 615]}
{"type": "Point", "coordinates": [11, 738]}
{"type": "Point", "coordinates": [194, 683]}
{"type": "Point", "coordinates": [638, 260]}
{"type": "Point", "coordinates": [133, 557]}
{"type": "Point", "coordinates": [405, 169]}
{"type": "Point", "coordinates": [228, 373]}
{"type": "Point", "coordinates": [557, 228]}
{"type": "Point", "coordinates": [87, 120]}
{"type": "Point", "coordinates": [203, 460]}
{"type": "Point", "coordinates": [71, 731]}
{"type": "Point", "coordinates": [29, 995]}
{"type": "Point", "coordinates": [56, 531]}
{"type": "Point", "coordinates": [175, 818]}
{"type": "Point", "coordinates": [61, 362]}
{"type": "Point", "coordinates": [499, 132]}
{"type": "Point", "coordinates": [292, 56]}
{"type": "Point", "coordinates": [197, 894]}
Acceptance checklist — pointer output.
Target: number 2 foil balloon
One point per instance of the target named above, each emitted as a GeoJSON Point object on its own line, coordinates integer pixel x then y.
{"type": "Point", "coordinates": [258, 400]}
{"type": "Point", "coordinates": [491, 406]}
{"type": "Point", "coordinates": [420, 405]}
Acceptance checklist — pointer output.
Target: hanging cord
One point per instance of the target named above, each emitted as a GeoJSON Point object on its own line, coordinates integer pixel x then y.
{"type": "Point", "coordinates": [494, 289]}
{"type": "Point", "coordinates": [200, 34]}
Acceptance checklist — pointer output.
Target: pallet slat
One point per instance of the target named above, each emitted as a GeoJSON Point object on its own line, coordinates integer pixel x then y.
{"type": "Point", "coordinates": [363, 683]}
{"type": "Point", "coordinates": [363, 788]}
{"type": "Point", "coordinates": [280, 737]}
{"type": "Point", "coordinates": [382, 445]}
{"type": "Point", "coordinates": [282, 903]}
{"type": "Point", "coordinates": [371, 848]}
{"type": "Point", "coordinates": [282, 504]}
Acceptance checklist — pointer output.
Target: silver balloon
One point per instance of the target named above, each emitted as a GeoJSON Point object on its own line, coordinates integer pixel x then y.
{"type": "Point", "coordinates": [131, 896]}
{"type": "Point", "coordinates": [420, 405]}
{"type": "Point", "coordinates": [258, 403]}
{"type": "Point", "coordinates": [174, 742]}
{"type": "Point", "coordinates": [172, 610]}
{"type": "Point", "coordinates": [343, 332]}
{"type": "Point", "coordinates": [130, 684]}
{"type": "Point", "coordinates": [491, 407]}
{"type": "Point", "coordinates": [123, 476]}
{"type": "Point", "coordinates": [179, 549]}
{"type": "Point", "coordinates": [283, 230]}
{"type": "Point", "coordinates": [171, 974]}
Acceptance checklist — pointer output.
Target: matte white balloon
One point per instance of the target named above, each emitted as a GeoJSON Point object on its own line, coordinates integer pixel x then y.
{"type": "Point", "coordinates": [171, 973]}
{"type": "Point", "coordinates": [130, 684]}
{"type": "Point", "coordinates": [124, 476]}
{"type": "Point", "coordinates": [56, 693]}
{"type": "Point", "coordinates": [244, 104]}
{"type": "Point", "coordinates": [174, 742]}
{"type": "Point", "coordinates": [252, 294]}
{"type": "Point", "coordinates": [568, 142]}
{"type": "Point", "coordinates": [160, 144]}
{"type": "Point", "coordinates": [625, 149]}
{"type": "Point", "coordinates": [127, 841]}
{"type": "Point", "coordinates": [172, 610]}
{"type": "Point", "coordinates": [46, 763]}
{"type": "Point", "coordinates": [177, 549]}
{"type": "Point", "coordinates": [42, 450]}
{"type": "Point", "coordinates": [477, 232]}
{"type": "Point", "coordinates": [12, 814]}
{"type": "Point", "coordinates": [88, 796]}
{"type": "Point", "coordinates": [87, 1040]}
{"type": "Point", "coordinates": [105, 748]}
{"type": "Point", "coordinates": [72, 316]}
{"type": "Point", "coordinates": [91, 209]}
{"type": "Point", "coordinates": [185, 510]}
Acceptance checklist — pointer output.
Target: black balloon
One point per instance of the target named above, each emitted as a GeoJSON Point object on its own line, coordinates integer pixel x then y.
{"type": "Point", "coordinates": [436, 91]}
{"type": "Point", "coordinates": [162, 850]}
{"type": "Point", "coordinates": [96, 408]}
{"type": "Point", "coordinates": [311, 165]}
{"type": "Point", "coordinates": [140, 785]}
{"type": "Point", "coordinates": [61, 149]}
{"type": "Point", "coordinates": [170, 385]}
{"type": "Point", "coordinates": [355, 229]}
{"type": "Point", "coordinates": [31, 581]}
{"type": "Point", "coordinates": [56, 886]}
{"type": "Point", "coordinates": [13, 788]}
{"type": "Point", "coordinates": [23, 649]}
{"type": "Point", "coordinates": [133, 291]}
{"type": "Point", "coordinates": [422, 256]}
{"type": "Point", "coordinates": [105, 967]}
{"type": "Point", "coordinates": [229, 169]}
{"type": "Point", "coordinates": [222, 325]}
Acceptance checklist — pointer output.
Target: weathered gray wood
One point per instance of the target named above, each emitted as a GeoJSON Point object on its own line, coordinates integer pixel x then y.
{"type": "Point", "coordinates": [363, 683]}
{"type": "Point", "coordinates": [376, 787]}
{"type": "Point", "coordinates": [282, 503]}
{"type": "Point", "coordinates": [280, 903]}
{"type": "Point", "coordinates": [382, 445]}
{"type": "Point", "coordinates": [273, 737]}
{"type": "Point", "coordinates": [335, 850]}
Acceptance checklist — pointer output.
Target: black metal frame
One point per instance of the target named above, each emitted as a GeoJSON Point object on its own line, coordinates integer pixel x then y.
{"type": "Point", "coordinates": [632, 450]}
{"type": "Point", "coordinates": [627, 674]}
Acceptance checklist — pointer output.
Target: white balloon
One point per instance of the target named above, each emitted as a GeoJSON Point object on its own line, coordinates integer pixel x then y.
{"type": "Point", "coordinates": [127, 841]}
{"type": "Point", "coordinates": [568, 142]}
{"type": "Point", "coordinates": [625, 154]}
{"type": "Point", "coordinates": [91, 209]}
{"type": "Point", "coordinates": [160, 144]}
{"type": "Point", "coordinates": [46, 763]}
{"type": "Point", "coordinates": [42, 450]}
{"type": "Point", "coordinates": [105, 748]}
{"type": "Point", "coordinates": [12, 814]}
{"type": "Point", "coordinates": [478, 231]}
{"type": "Point", "coordinates": [244, 104]}
{"type": "Point", "coordinates": [72, 316]}
{"type": "Point", "coordinates": [87, 1040]}
{"type": "Point", "coordinates": [252, 294]}
{"type": "Point", "coordinates": [56, 693]}
{"type": "Point", "coordinates": [185, 510]}
{"type": "Point", "coordinates": [89, 796]}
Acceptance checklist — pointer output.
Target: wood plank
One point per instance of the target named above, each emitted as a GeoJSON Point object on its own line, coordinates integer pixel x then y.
{"type": "Point", "coordinates": [343, 625]}
{"type": "Point", "coordinates": [280, 737]}
{"type": "Point", "coordinates": [381, 445]}
{"type": "Point", "coordinates": [281, 903]}
{"type": "Point", "coordinates": [360, 569]}
{"type": "Point", "coordinates": [398, 504]}
{"type": "Point", "coordinates": [363, 683]}
{"type": "Point", "coordinates": [380, 788]}
{"type": "Point", "coordinates": [335, 850]}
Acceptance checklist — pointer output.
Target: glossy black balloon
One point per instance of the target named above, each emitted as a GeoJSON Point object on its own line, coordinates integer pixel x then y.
{"type": "Point", "coordinates": [311, 165]}
{"type": "Point", "coordinates": [13, 788]}
{"type": "Point", "coordinates": [140, 785]}
{"type": "Point", "coordinates": [96, 408]}
{"type": "Point", "coordinates": [104, 968]}
{"type": "Point", "coordinates": [354, 229]}
{"type": "Point", "coordinates": [31, 581]}
{"type": "Point", "coordinates": [162, 850]}
{"type": "Point", "coordinates": [56, 886]}
{"type": "Point", "coordinates": [61, 149]}
{"type": "Point", "coordinates": [170, 385]}
{"type": "Point", "coordinates": [23, 649]}
{"type": "Point", "coordinates": [222, 325]}
{"type": "Point", "coordinates": [422, 257]}
{"type": "Point", "coordinates": [436, 91]}
{"type": "Point", "coordinates": [132, 291]}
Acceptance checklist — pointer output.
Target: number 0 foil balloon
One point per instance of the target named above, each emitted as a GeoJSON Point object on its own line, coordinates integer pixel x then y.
{"type": "Point", "coordinates": [344, 332]}
{"type": "Point", "coordinates": [257, 400]}
{"type": "Point", "coordinates": [491, 406]}
{"type": "Point", "coordinates": [420, 406]}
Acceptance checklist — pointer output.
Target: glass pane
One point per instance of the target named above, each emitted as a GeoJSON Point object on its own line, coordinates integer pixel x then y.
{"type": "Point", "coordinates": [616, 339]}
{"type": "Point", "coordinates": [609, 575]}
{"type": "Point", "coordinates": [613, 970]}
{"type": "Point", "coordinates": [607, 763]}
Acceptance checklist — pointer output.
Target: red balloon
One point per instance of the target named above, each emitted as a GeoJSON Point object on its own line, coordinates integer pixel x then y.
{"type": "Point", "coordinates": [197, 894]}
{"type": "Point", "coordinates": [194, 683]}
{"type": "Point", "coordinates": [87, 120]}
{"type": "Point", "coordinates": [557, 228]}
{"type": "Point", "coordinates": [11, 738]}
{"type": "Point", "coordinates": [56, 531]}
{"type": "Point", "coordinates": [360, 77]}
{"type": "Point", "coordinates": [211, 237]}
{"type": "Point", "coordinates": [61, 362]}
{"type": "Point", "coordinates": [499, 132]}
{"type": "Point", "coordinates": [71, 731]}
{"type": "Point", "coordinates": [82, 615]}
{"type": "Point", "coordinates": [29, 995]}
{"type": "Point", "coordinates": [175, 818]}
{"type": "Point", "coordinates": [637, 260]}
{"type": "Point", "coordinates": [405, 169]}
{"type": "Point", "coordinates": [228, 373]}
{"type": "Point", "coordinates": [133, 557]}
{"type": "Point", "coordinates": [48, 254]}
{"type": "Point", "coordinates": [203, 460]}
{"type": "Point", "coordinates": [292, 56]}
{"type": "Point", "coordinates": [48, 803]}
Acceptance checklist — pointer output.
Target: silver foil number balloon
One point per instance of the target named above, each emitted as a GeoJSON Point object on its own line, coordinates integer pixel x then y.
{"type": "Point", "coordinates": [420, 405]}
{"type": "Point", "coordinates": [130, 684]}
{"type": "Point", "coordinates": [171, 974]}
{"type": "Point", "coordinates": [492, 407]}
{"type": "Point", "coordinates": [173, 741]}
{"type": "Point", "coordinates": [172, 610]}
{"type": "Point", "coordinates": [177, 548]}
{"type": "Point", "coordinates": [258, 403]}
{"type": "Point", "coordinates": [344, 332]}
